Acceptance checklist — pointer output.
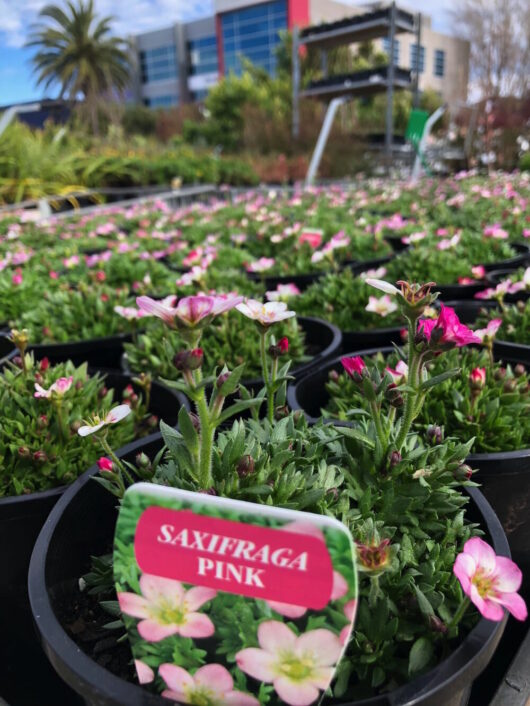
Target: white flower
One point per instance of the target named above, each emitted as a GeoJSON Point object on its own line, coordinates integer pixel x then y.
{"type": "Point", "coordinates": [59, 387]}
{"type": "Point", "coordinates": [382, 306]}
{"type": "Point", "coordinates": [283, 291]}
{"type": "Point", "coordinates": [261, 265]}
{"type": "Point", "coordinates": [266, 314]}
{"type": "Point", "coordinates": [115, 415]}
{"type": "Point", "coordinates": [382, 285]}
{"type": "Point", "coordinates": [373, 274]}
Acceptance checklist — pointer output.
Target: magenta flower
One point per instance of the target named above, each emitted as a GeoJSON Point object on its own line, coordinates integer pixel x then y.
{"type": "Point", "coordinates": [164, 308]}
{"type": "Point", "coordinates": [105, 464]}
{"type": "Point", "coordinates": [353, 366]}
{"type": "Point", "coordinates": [166, 608]}
{"type": "Point", "coordinates": [299, 667]}
{"type": "Point", "coordinates": [488, 333]}
{"type": "Point", "coordinates": [211, 684]}
{"type": "Point", "coordinates": [448, 329]}
{"type": "Point", "coordinates": [477, 377]}
{"type": "Point", "coordinates": [490, 581]}
{"type": "Point", "coordinates": [58, 389]}
{"type": "Point", "coordinates": [312, 237]}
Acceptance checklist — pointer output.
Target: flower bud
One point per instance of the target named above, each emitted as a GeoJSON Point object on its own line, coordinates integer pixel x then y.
{"type": "Point", "coordinates": [500, 374]}
{"type": "Point", "coordinates": [40, 456]}
{"type": "Point", "coordinates": [394, 396]}
{"type": "Point", "coordinates": [24, 452]}
{"type": "Point", "coordinates": [280, 348]}
{"type": "Point", "coordinates": [75, 426]}
{"type": "Point", "coordinates": [436, 624]}
{"type": "Point", "coordinates": [44, 365]}
{"type": "Point", "coordinates": [394, 459]}
{"type": "Point", "coordinates": [17, 360]}
{"type": "Point", "coordinates": [434, 435]}
{"type": "Point", "coordinates": [464, 471]}
{"type": "Point", "coordinates": [105, 464]}
{"type": "Point", "coordinates": [334, 376]}
{"type": "Point", "coordinates": [281, 412]}
{"type": "Point", "coordinates": [477, 378]}
{"type": "Point", "coordinates": [245, 466]}
{"type": "Point", "coordinates": [103, 393]}
{"type": "Point", "coordinates": [209, 491]}
{"type": "Point", "coordinates": [221, 379]}
{"type": "Point", "coordinates": [143, 461]}
{"type": "Point", "coordinates": [195, 421]}
{"type": "Point", "coordinates": [510, 385]}
{"type": "Point", "coordinates": [373, 557]}
{"type": "Point", "coordinates": [519, 370]}
{"type": "Point", "coordinates": [195, 358]}
{"type": "Point", "coordinates": [152, 421]}
{"type": "Point", "coordinates": [334, 493]}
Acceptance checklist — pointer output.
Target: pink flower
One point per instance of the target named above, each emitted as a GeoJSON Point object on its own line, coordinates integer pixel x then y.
{"type": "Point", "coordinates": [448, 329]}
{"type": "Point", "coordinates": [193, 257]}
{"type": "Point", "coordinates": [312, 237]}
{"type": "Point", "coordinates": [105, 464]}
{"type": "Point", "coordinates": [400, 373]}
{"type": "Point", "coordinates": [166, 608]}
{"type": "Point", "coordinates": [71, 261]}
{"type": "Point", "coordinates": [353, 366]}
{"type": "Point", "coordinates": [466, 280]}
{"type": "Point", "coordinates": [413, 238]}
{"type": "Point", "coordinates": [261, 265]}
{"type": "Point", "coordinates": [144, 671]}
{"type": "Point", "coordinates": [490, 581]}
{"type": "Point", "coordinates": [17, 278]}
{"type": "Point", "coordinates": [448, 243]}
{"type": "Point", "coordinates": [190, 311]}
{"type": "Point", "coordinates": [211, 684]}
{"type": "Point", "coordinates": [282, 291]}
{"type": "Point", "coordinates": [495, 231]}
{"type": "Point", "coordinates": [266, 314]}
{"type": "Point", "coordinates": [349, 611]}
{"type": "Point", "coordinates": [53, 274]}
{"type": "Point", "coordinates": [488, 333]}
{"type": "Point", "coordinates": [299, 667]}
{"type": "Point", "coordinates": [130, 313]}
{"type": "Point", "coordinates": [383, 306]}
{"type": "Point", "coordinates": [59, 388]}
{"type": "Point", "coordinates": [478, 271]}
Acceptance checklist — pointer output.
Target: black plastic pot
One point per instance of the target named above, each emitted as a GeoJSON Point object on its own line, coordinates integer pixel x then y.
{"type": "Point", "coordinates": [371, 338]}
{"type": "Point", "coordinates": [97, 352]}
{"type": "Point", "coordinates": [322, 339]}
{"type": "Point", "coordinates": [504, 476]}
{"type": "Point", "coordinates": [21, 519]}
{"type": "Point", "coordinates": [512, 263]}
{"type": "Point", "coordinates": [69, 538]}
{"type": "Point", "coordinates": [7, 350]}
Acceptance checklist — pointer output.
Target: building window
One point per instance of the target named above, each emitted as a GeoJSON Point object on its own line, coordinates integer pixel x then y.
{"type": "Point", "coordinates": [202, 56]}
{"type": "Point", "coordinates": [386, 49]}
{"type": "Point", "coordinates": [414, 58]}
{"type": "Point", "coordinates": [439, 62]}
{"type": "Point", "coordinates": [158, 64]}
{"type": "Point", "coordinates": [161, 101]}
{"type": "Point", "coordinates": [253, 33]}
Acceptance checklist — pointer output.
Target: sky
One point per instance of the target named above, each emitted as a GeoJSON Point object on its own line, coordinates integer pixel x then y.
{"type": "Point", "coordinates": [131, 17]}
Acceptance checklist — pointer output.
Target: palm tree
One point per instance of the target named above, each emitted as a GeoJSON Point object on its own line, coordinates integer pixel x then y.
{"type": "Point", "coordinates": [77, 51]}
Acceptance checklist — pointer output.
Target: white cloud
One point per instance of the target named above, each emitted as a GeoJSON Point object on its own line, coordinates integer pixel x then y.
{"type": "Point", "coordinates": [131, 16]}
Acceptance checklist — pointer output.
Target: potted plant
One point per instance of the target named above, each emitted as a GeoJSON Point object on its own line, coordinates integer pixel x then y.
{"type": "Point", "coordinates": [417, 637]}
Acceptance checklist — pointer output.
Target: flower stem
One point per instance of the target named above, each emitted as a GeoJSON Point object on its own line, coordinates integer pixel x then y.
{"type": "Point", "coordinates": [378, 426]}
{"type": "Point", "coordinates": [411, 404]}
{"type": "Point", "coordinates": [119, 465]}
{"type": "Point", "coordinates": [207, 432]}
{"type": "Point", "coordinates": [457, 617]}
{"type": "Point", "coordinates": [265, 373]}
{"type": "Point", "coordinates": [63, 429]}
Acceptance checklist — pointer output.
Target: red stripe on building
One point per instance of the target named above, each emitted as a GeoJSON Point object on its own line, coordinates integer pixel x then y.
{"type": "Point", "coordinates": [297, 13]}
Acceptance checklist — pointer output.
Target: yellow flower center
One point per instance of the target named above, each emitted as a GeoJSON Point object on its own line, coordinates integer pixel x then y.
{"type": "Point", "coordinates": [295, 667]}
{"type": "Point", "coordinates": [485, 585]}
{"type": "Point", "coordinates": [168, 613]}
{"type": "Point", "coordinates": [201, 696]}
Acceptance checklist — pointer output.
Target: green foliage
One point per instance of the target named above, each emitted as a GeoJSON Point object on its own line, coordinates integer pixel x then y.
{"type": "Point", "coordinates": [39, 446]}
{"type": "Point", "coordinates": [139, 120]}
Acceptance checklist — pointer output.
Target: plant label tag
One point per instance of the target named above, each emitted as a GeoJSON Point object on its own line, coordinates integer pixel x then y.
{"type": "Point", "coordinates": [230, 602]}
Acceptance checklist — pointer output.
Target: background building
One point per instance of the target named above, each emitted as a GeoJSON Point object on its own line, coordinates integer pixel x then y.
{"type": "Point", "coordinates": [180, 63]}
